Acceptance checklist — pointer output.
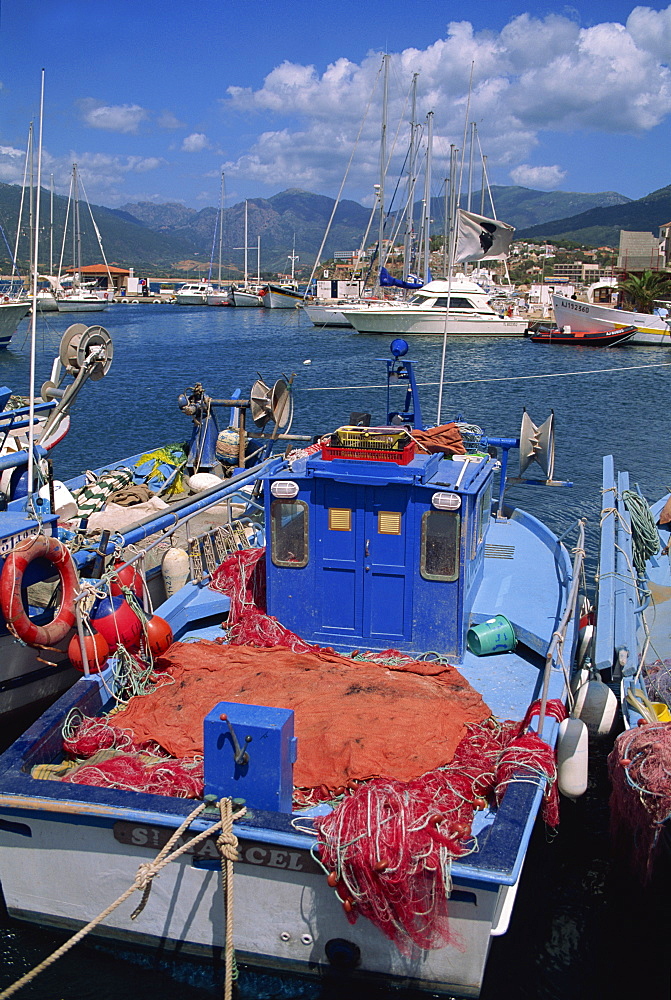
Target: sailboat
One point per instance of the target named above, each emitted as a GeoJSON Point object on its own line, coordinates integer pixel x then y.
{"type": "Point", "coordinates": [78, 297]}
{"type": "Point", "coordinates": [285, 295]}
{"type": "Point", "coordinates": [219, 296]}
{"type": "Point", "coordinates": [249, 295]}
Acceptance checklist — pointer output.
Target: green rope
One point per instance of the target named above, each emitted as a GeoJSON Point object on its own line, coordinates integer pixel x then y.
{"type": "Point", "coordinates": [644, 535]}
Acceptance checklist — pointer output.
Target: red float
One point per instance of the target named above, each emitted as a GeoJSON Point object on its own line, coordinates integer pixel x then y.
{"type": "Point", "coordinates": [127, 577]}
{"type": "Point", "coordinates": [96, 648]}
{"type": "Point", "coordinates": [158, 635]}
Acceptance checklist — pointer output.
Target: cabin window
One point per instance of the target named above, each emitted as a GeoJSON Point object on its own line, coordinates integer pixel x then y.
{"type": "Point", "coordinates": [439, 553]}
{"type": "Point", "coordinates": [289, 533]}
{"type": "Point", "coordinates": [340, 519]}
{"type": "Point", "coordinates": [456, 302]}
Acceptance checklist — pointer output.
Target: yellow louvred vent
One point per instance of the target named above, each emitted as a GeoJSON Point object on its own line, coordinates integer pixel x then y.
{"type": "Point", "coordinates": [340, 519]}
{"type": "Point", "coordinates": [388, 522]}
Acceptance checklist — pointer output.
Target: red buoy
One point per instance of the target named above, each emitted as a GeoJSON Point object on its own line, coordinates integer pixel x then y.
{"type": "Point", "coordinates": [157, 635]}
{"type": "Point", "coordinates": [128, 577]}
{"type": "Point", "coordinates": [96, 648]}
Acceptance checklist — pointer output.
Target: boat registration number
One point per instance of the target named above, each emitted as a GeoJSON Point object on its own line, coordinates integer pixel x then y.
{"type": "Point", "coordinates": [7, 544]}
{"type": "Point", "coordinates": [252, 852]}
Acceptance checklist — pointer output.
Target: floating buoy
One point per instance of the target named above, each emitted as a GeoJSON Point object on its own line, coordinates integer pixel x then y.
{"type": "Point", "coordinates": [96, 648]}
{"type": "Point", "coordinates": [307, 362]}
{"type": "Point", "coordinates": [128, 577]}
{"type": "Point", "coordinates": [572, 758]}
{"type": "Point", "coordinates": [114, 618]}
{"type": "Point", "coordinates": [157, 635]}
{"type": "Point", "coordinates": [175, 570]}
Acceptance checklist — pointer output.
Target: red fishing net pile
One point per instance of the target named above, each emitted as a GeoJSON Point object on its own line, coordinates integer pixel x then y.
{"type": "Point", "coordinates": [110, 757]}
{"type": "Point", "coordinates": [389, 845]}
{"type": "Point", "coordinates": [640, 802]}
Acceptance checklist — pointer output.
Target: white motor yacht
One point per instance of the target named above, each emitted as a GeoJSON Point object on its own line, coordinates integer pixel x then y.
{"type": "Point", "coordinates": [194, 294]}
{"type": "Point", "coordinates": [459, 308]}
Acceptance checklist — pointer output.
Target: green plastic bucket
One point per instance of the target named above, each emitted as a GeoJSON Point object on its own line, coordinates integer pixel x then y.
{"type": "Point", "coordinates": [496, 635]}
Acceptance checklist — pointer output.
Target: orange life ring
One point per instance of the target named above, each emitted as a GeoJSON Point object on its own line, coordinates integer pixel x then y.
{"type": "Point", "coordinates": [11, 597]}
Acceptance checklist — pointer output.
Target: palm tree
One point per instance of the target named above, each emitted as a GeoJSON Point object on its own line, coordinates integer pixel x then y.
{"type": "Point", "coordinates": [645, 288]}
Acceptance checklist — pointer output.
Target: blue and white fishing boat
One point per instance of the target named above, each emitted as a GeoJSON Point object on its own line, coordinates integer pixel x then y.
{"type": "Point", "coordinates": [632, 649]}
{"type": "Point", "coordinates": [392, 579]}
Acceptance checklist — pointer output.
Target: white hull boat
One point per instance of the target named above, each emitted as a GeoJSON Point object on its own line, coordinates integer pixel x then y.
{"type": "Point", "coordinates": [194, 294]}
{"type": "Point", "coordinates": [246, 297]}
{"type": "Point", "coordinates": [327, 315]}
{"type": "Point", "coordinates": [282, 297]}
{"type": "Point", "coordinates": [77, 303]}
{"type": "Point", "coordinates": [458, 308]}
{"type": "Point", "coordinates": [591, 317]}
{"type": "Point", "coordinates": [11, 314]}
{"type": "Point", "coordinates": [220, 297]}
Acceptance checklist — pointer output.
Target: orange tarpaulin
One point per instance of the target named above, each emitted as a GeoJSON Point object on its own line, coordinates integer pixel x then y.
{"type": "Point", "coordinates": [353, 719]}
{"type": "Point", "coordinates": [445, 438]}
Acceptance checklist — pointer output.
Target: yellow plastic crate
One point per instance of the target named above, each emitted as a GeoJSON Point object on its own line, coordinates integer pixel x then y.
{"type": "Point", "coordinates": [372, 438]}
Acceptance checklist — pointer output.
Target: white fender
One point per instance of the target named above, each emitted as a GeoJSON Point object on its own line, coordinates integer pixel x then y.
{"type": "Point", "coordinates": [175, 570]}
{"type": "Point", "coordinates": [572, 758]}
{"type": "Point", "coordinates": [203, 481]}
{"type": "Point", "coordinates": [596, 705]}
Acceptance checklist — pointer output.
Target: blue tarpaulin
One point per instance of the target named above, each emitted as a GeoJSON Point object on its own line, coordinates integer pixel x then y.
{"type": "Point", "coordinates": [386, 281]}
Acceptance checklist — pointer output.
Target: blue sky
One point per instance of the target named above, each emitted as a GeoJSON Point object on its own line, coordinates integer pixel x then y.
{"type": "Point", "coordinates": [154, 99]}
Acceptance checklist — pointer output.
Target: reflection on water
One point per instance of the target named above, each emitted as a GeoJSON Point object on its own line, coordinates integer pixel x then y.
{"type": "Point", "coordinates": [575, 911]}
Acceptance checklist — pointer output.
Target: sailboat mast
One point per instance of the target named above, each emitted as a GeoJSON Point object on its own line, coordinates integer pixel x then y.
{"type": "Point", "coordinates": [383, 164]}
{"type": "Point", "coordinates": [410, 207]}
{"type": "Point", "coordinates": [245, 241]}
{"type": "Point", "coordinates": [33, 321]}
{"type": "Point", "coordinates": [51, 227]}
{"type": "Point", "coordinates": [427, 195]}
{"type": "Point", "coordinates": [221, 224]}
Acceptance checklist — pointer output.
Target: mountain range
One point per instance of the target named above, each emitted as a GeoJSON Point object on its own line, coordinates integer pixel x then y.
{"type": "Point", "coordinates": [171, 238]}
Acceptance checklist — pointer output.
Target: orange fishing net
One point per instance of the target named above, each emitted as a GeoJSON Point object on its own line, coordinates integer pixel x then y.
{"type": "Point", "coordinates": [353, 719]}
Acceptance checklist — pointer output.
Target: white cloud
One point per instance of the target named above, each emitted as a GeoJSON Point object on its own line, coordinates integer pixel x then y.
{"type": "Point", "coordinates": [112, 117]}
{"type": "Point", "coordinates": [536, 75]}
{"type": "Point", "coordinates": [12, 164]}
{"type": "Point", "coordinates": [545, 178]}
{"type": "Point", "coordinates": [195, 143]}
{"type": "Point", "coordinates": [168, 120]}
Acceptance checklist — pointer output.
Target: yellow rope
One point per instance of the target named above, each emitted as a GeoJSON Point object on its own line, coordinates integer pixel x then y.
{"type": "Point", "coordinates": [143, 880]}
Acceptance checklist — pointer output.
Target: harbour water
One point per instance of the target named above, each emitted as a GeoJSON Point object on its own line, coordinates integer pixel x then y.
{"type": "Point", "coordinates": [580, 926]}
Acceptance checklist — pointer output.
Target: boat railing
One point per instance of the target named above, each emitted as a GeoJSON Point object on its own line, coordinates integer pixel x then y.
{"type": "Point", "coordinates": [555, 652]}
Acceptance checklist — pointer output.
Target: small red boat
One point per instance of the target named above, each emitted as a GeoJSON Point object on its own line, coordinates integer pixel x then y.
{"type": "Point", "coordinates": [596, 338]}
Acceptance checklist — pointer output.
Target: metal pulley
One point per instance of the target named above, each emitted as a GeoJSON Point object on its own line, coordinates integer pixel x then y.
{"type": "Point", "coordinates": [87, 345]}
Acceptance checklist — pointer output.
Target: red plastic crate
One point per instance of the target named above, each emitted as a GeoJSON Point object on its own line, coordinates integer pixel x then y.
{"type": "Point", "coordinates": [369, 455]}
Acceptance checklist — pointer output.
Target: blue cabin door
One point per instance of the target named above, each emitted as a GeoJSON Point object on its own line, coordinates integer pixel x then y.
{"type": "Point", "coordinates": [363, 567]}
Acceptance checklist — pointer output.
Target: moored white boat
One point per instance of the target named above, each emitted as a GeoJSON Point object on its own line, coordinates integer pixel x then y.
{"type": "Point", "coordinates": [283, 296]}
{"type": "Point", "coordinates": [458, 308]}
{"type": "Point", "coordinates": [11, 314]}
{"type": "Point", "coordinates": [248, 296]}
{"type": "Point", "coordinates": [327, 314]}
{"type": "Point", "coordinates": [220, 297]}
{"type": "Point", "coordinates": [592, 317]}
{"type": "Point", "coordinates": [194, 294]}
{"type": "Point", "coordinates": [80, 301]}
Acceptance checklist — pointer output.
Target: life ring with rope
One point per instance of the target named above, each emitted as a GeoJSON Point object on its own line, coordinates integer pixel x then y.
{"type": "Point", "coordinates": [11, 597]}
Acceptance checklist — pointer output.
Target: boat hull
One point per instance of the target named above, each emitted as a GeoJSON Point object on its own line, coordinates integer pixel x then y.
{"type": "Point", "coordinates": [409, 322]}
{"type": "Point", "coordinates": [81, 305]}
{"type": "Point", "coordinates": [11, 314]}
{"type": "Point", "coordinates": [281, 298]}
{"type": "Point", "coordinates": [594, 318]}
{"type": "Point", "coordinates": [607, 338]}
{"type": "Point", "coordinates": [246, 299]}
{"type": "Point", "coordinates": [321, 315]}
